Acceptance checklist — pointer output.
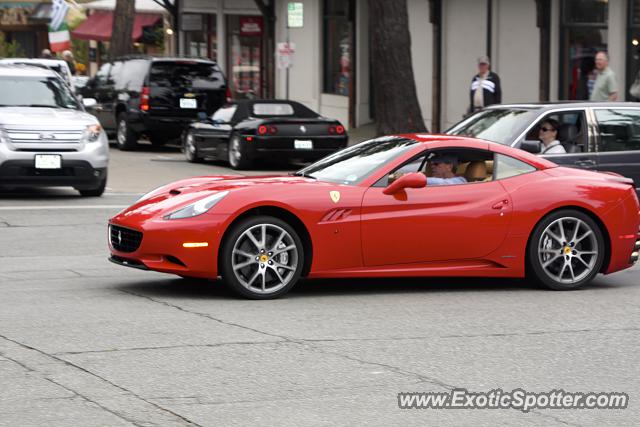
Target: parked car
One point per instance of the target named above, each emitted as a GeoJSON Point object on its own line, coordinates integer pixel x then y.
{"type": "Point", "coordinates": [156, 97]}
{"type": "Point", "coordinates": [247, 130]}
{"type": "Point", "coordinates": [343, 217]}
{"type": "Point", "coordinates": [603, 136]}
{"type": "Point", "coordinates": [46, 137]}
{"type": "Point", "coordinates": [58, 65]}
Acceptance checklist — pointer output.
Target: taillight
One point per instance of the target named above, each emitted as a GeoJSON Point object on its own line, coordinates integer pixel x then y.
{"type": "Point", "coordinates": [228, 94]}
{"type": "Point", "coordinates": [336, 130]}
{"type": "Point", "coordinates": [144, 98]}
{"type": "Point", "coordinates": [262, 129]}
{"type": "Point", "coordinates": [273, 130]}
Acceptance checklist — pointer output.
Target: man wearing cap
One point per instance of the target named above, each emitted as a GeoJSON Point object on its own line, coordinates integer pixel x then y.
{"type": "Point", "coordinates": [485, 86]}
{"type": "Point", "coordinates": [443, 168]}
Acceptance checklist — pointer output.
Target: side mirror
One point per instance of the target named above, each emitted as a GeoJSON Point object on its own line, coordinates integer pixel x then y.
{"type": "Point", "coordinates": [89, 102]}
{"type": "Point", "coordinates": [410, 180]}
{"type": "Point", "coordinates": [533, 147]}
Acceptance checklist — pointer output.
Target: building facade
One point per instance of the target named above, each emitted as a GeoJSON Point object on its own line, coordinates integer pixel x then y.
{"type": "Point", "coordinates": [542, 50]}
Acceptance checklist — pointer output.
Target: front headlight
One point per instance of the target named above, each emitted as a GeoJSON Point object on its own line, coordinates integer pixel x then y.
{"type": "Point", "coordinates": [199, 207]}
{"type": "Point", "coordinates": [92, 133]}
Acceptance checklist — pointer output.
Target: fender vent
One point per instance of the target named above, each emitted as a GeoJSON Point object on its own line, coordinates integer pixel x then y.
{"type": "Point", "coordinates": [336, 215]}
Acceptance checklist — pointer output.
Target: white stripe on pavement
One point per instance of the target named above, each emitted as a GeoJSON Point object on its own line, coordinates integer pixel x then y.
{"type": "Point", "coordinates": [54, 207]}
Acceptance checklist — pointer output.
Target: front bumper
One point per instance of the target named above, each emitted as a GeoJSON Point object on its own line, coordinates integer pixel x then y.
{"type": "Point", "coordinates": [161, 247]}
{"type": "Point", "coordinates": [75, 173]}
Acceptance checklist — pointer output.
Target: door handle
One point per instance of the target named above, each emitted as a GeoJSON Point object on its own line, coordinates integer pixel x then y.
{"type": "Point", "coordinates": [584, 163]}
{"type": "Point", "coordinates": [501, 204]}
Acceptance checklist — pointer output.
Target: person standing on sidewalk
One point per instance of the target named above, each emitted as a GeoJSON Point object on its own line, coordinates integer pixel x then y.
{"type": "Point", "coordinates": [606, 86]}
{"type": "Point", "coordinates": [485, 87]}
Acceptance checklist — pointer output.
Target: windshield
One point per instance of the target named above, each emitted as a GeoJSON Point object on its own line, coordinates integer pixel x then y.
{"type": "Point", "coordinates": [353, 164]}
{"type": "Point", "coordinates": [36, 92]}
{"type": "Point", "coordinates": [497, 125]}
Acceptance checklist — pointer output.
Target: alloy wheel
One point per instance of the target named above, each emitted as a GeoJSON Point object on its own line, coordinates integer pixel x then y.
{"type": "Point", "coordinates": [265, 258]}
{"type": "Point", "coordinates": [568, 250]}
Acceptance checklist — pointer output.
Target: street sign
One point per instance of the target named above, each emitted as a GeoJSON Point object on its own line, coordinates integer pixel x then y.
{"type": "Point", "coordinates": [295, 15]}
{"type": "Point", "coordinates": [284, 55]}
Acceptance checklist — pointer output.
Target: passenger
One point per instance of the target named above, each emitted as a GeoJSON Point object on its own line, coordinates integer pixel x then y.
{"type": "Point", "coordinates": [443, 167]}
{"type": "Point", "coordinates": [548, 134]}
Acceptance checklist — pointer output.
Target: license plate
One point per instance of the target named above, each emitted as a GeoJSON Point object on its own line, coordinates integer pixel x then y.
{"type": "Point", "coordinates": [48, 161]}
{"type": "Point", "coordinates": [188, 103]}
{"type": "Point", "coordinates": [303, 144]}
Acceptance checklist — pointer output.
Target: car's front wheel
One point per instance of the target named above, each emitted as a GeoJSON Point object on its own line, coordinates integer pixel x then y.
{"type": "Point", "coordinates": [237, 156]}
{"type": "Point", "coordinates": [94, 192]}
{"type": "Point", "coordinates": [566, 250]}
{"type": "Point", "coordinates": [261, 258]}
{"type": "Point", "coordinates": [126, 138]}
{"type": "Point", "coordinates": [191, 149]}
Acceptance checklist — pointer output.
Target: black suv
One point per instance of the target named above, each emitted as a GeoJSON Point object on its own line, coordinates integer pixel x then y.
{"type": "Point", "coordinates": [157, 97]}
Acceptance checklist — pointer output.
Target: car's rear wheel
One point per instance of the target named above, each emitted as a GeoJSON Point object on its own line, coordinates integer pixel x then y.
{"type": "Point", "coordinates": [126, 138]}
{"type": "Point", "coordinates": [262, 258]}
{"type": "Point", "coordinates": [566, 250]}
{"type": "Point", "coordinates": [191, 149]}
{"type": "Point", "coordinates": [237, 156]}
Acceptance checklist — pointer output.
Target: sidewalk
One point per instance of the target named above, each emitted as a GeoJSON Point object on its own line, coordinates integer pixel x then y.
{"type": "Point", "coordinates": [362, 133]}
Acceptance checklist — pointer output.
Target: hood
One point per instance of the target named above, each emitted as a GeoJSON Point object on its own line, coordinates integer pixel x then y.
{"type": "Point", "coordinates": [174, 196]}
{"type": "Point", "coordinates": [55, 117]}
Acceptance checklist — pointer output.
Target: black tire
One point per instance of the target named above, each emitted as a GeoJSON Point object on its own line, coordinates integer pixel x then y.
{"type": "Point", "coordinates": [126, 138]}
{"type": "Point", "coordinates": [560, 257]}
{"type": "Point", "coordinates": [190, 148]}
{"type": "Point", "coordinates": [94, 192]}
{"type": "Point", "coordinates": [237, 155]}
{"type": "Point", "coordinates": [280, 274]}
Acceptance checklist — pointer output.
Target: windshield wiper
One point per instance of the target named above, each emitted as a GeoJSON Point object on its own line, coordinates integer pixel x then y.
{"type": "Point", "coordinates": [303, 174]}
{"type": "Point", "coordinates": [37, 105]}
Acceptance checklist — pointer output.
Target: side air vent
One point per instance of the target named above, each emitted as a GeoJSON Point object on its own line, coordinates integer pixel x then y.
{"type": "Point", "coordinates": [336, 215]}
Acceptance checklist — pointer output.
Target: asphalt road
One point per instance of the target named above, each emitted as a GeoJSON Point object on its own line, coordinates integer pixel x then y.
{"type": "Point", "coordinates": [84, 342]}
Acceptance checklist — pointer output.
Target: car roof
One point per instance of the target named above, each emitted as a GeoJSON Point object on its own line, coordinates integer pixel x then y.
{"type": "Point", "coordinates": [23, 70]}
{"type": "Point", "coordinates": [43, 61]}
{"type": "Point", "coordinates": [164, 58]}
{"type": "Point", "coordinates": [542, 106]}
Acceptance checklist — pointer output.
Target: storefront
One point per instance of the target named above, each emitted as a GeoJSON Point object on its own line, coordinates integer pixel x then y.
{"type": "Point", "coordinates": [24, 25]}
{"type": "Point", "coordinates": [231, 33]}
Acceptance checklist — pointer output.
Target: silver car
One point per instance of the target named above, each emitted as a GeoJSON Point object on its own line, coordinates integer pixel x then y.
{"type": "Point", "coordinates": [46, 137]}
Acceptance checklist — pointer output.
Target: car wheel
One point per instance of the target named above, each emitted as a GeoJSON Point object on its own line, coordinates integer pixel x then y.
{"type": "Point", "coordinates": [94, 192]}
{"type": "Point", "coordinates": [190, 149]}
{"type": "Point", "coordinates": [566, 250]}
{"type": "Point", "coordinates": [262, 258]}
{"type": "Point", "coordinates": [125, 136]}
{"type": "Point", "coordinates": [237, 157]}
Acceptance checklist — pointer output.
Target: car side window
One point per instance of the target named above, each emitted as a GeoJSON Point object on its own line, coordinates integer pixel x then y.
{"type": "Point", "coordinates": [619, 129]}
{"type": "Point", "coordinates": [506, 167]}
{"type": "Point", "coordinates": [470, 166]}
{"type": "Point", "coordinates": [572, 132]}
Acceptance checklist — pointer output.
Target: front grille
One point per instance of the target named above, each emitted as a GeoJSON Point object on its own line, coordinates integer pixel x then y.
{"type": "Point", "coordinates": [124, 239]}
{"type": "Point", "coordinates": [44, 136]}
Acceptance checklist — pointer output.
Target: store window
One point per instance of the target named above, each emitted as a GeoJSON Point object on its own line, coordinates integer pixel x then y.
{"type": "Point", "coordinates": [200, 35]}
{"type": "Point", "coordinates": [583, 34]}
{"type": "Point", "coordinates": [338, 30]}
{"type": "Point", "coordinates": [245, 56]}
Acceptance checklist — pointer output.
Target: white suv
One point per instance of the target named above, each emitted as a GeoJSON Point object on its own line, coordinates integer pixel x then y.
{"type": "Point", "coordinates": [46, 137]}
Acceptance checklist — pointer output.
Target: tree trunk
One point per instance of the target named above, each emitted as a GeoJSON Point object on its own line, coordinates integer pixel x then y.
{"type": "Point", "coordinates": [396, 103]}
{"type": "Point", "coordinates": [122, 29]}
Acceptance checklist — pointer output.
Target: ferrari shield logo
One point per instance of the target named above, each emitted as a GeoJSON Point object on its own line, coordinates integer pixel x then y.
{"type": "Point", "coordinates": [335, 196]}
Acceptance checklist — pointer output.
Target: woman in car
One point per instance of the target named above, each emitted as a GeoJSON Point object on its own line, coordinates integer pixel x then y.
{"type": "Point", "coordinates": [548, 134]}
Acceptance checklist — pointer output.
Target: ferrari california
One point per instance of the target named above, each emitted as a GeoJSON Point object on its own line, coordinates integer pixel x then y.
{"type": "Point", "coordinates": [245, 131]}
{"type": "Point", "coordinates": [377, 209]}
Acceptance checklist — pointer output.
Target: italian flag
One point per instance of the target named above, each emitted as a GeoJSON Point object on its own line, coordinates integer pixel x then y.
{"type": "Point", "coordinates": [58, 31]}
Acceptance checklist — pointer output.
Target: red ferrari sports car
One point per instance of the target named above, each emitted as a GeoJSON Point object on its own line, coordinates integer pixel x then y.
{"type": "Point", "coordinates": [374, 210]}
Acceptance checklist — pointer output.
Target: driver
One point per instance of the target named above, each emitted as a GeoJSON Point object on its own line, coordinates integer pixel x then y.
{"type": "Point", "coordinates": [443, 167]}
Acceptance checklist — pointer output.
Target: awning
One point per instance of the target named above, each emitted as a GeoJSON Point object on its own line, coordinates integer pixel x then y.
{"type": "Point", "coordinates": [99, 24]}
